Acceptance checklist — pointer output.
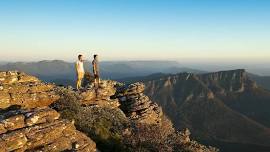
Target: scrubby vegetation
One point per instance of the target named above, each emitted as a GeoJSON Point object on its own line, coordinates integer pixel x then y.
{"type": "Point", "coordinates": [113, 131]}
{"type": "Point", "coordinates": [103, 125]}
{"type": "Point", "coordinates": [162, 138]}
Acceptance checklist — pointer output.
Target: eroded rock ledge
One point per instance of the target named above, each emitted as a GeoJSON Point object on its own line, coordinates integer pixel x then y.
{"type": "Point", "coordinates": [17, 88]}
{"type": "Point", "coordinates": [28, 124]}
{"type": "Point", "coordinates": [101, 96]}
{"type": "Point", "coordinates": [137, 106]}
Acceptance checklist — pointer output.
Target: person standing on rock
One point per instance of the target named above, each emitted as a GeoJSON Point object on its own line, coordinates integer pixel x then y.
{"type": "Point", "coordinates": [79, 71]}
{"type": "Point", "coordinates": [96, 71]}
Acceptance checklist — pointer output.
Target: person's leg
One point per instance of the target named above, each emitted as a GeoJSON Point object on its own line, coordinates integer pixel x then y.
{"type": "Point", "coordinates": [95, 83]}
{"type": "Point", "coordinates": [98, 80]}
{"type": "Point", "coordinates": [77, 82]}
{"type": "Point", "coordinates": [80, 77]}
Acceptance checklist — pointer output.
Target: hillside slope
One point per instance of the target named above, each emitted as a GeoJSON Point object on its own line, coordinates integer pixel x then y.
{"type": "Point", "coordinates": [224, 106]}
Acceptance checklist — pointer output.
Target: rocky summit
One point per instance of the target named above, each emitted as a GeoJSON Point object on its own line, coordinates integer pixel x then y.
{"type": "Point", "coordinates": [28, 124]}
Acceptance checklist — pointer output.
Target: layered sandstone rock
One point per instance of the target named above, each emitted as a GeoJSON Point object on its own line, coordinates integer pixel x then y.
{"type": "Point", "coordinates": [100, 96]}
{"type": "Point", "coordinates": [40, 130]}
{"type": "Point", "coordinates": [23, 90]}
{"type": "Point", "coordinates": [137, 106]}
{"type": "Point", "coordinates": [28, 124]}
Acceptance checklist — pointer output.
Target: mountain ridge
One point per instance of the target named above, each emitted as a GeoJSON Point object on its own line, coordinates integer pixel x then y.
{"type": "Point", "coordinates": [216, 99]}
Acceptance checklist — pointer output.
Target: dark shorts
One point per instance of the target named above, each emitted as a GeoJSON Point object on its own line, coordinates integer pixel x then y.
{"type": "Point", "coordinates": [96, 75]}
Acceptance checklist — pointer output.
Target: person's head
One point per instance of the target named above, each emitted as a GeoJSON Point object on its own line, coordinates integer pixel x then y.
{"type": "Point", "coordinates": [80, 57]}
{"type": "Point", "coordinates": [95, 56]}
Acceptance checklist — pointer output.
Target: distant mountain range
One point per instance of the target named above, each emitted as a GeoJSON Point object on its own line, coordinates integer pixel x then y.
{"type": "Point", "coordinates": [227, 108]}
{"type": "Point", "coordinates": [3, 63]}
{"type": "Point", "coordinates": [62, 72]}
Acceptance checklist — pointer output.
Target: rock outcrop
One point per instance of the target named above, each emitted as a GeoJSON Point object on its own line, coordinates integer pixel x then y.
{"type": "Point", "coordinates": [28, 124]}
{"type": "Point", "coordinates": [23, 90]}
{"type": "Point", "coordinates": [137, 106]}
{"type": "Point", "coordinates": [100, 96]}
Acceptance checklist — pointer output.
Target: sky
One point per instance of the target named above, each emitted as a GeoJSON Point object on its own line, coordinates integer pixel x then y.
{"type": "Point", "coordinates": [183, 30]}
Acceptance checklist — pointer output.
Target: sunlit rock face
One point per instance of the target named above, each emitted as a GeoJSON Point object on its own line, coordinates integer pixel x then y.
{"type": "Point", "coordinates": [23, 90]}
{"type": "Point", "coordinates": [100, 96]}
{"type": "Point", "coordinates": [137, 106]}
{"type": "Point", "coordinates": [26, 121]}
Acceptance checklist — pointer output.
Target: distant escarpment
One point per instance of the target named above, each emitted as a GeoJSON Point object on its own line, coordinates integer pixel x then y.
{"type": "Point", "coordinates": [224, 106]}
{"type": "Point", "coordinates": [228, 81]}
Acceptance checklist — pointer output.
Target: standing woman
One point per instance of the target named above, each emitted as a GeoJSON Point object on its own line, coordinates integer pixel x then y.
{"type": "Point", "coordinates": [96, 70]}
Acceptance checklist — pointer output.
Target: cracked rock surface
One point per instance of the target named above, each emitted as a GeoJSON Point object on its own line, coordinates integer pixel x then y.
{"type": "Point", "coordinates": [28, 124]}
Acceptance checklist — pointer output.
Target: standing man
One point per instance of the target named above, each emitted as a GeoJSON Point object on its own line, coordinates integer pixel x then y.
{"type": "Point", "coordinates": [80, 71]}
{"type": "Point", "coordinates": [96, 70]}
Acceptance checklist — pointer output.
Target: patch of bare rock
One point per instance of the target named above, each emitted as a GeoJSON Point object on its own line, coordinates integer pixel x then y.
{"type": "Point", "coordinates": [28, 124]}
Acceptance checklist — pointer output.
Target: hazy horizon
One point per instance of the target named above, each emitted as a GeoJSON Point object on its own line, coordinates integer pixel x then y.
{"type": "Point", "coordinates": [207, 31]}
{"type": "Point", "coordinates": [261, 68]}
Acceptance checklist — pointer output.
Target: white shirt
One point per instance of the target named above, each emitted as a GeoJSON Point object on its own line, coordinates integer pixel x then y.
{"type": "Point", "coordinates": [80, 67]}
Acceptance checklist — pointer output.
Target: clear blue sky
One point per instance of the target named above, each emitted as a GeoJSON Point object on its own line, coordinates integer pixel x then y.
{"type": "Point", "coordinates": [135, 29]}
